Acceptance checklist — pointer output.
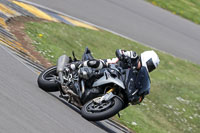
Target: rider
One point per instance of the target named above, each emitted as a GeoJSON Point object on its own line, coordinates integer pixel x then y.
{"type": "Point", "coordinates": [125, 59]}
{"type": "Point", "coordinates": [148, 59]}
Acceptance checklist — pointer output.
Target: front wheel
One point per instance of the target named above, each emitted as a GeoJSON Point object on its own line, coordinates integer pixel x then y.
{"type": "Point", "coordinates": [47, 80]}
{"type": "Point", "coordinates": [94, 111]}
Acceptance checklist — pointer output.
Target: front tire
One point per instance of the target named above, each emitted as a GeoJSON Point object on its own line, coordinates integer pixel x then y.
{"type": "Point", "coordinates": [114, 106]}
{"type": "Point", "coordinates": [46, 80]}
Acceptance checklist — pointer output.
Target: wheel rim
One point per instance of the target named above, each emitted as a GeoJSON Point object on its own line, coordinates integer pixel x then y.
{"type": "Point", "coordinates": [99, 107]}
{"type": "Point", "coordinates": [50, 75]}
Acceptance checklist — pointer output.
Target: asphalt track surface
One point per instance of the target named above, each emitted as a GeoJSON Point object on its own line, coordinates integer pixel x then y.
{"type": "Point", "coordinates": [138, 20]}
{"type": "Point", "coordinates": [24, 108]}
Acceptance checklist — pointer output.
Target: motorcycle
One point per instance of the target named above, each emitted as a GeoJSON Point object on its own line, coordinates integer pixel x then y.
{"type": "Point", "coordinates": [100, 97]}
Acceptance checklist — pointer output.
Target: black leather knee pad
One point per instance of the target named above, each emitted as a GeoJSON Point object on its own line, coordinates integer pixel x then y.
{"type": "Point", "coordinates": [93, 63]}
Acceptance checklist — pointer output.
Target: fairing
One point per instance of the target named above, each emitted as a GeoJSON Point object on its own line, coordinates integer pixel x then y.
{"type": "Point", "coordinates": [107, 78]}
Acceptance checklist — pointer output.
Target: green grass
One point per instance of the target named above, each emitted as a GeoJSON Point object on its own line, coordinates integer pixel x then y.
{"type": "Point", "coordinates": [173, 104]}
{"type": "Point", "coordinates": [189, 9]}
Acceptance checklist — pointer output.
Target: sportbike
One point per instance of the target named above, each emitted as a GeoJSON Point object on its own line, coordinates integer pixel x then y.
{"type": "Point", "coordinates": [100, 97]}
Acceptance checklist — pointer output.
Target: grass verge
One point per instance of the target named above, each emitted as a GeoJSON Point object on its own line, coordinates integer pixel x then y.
{"type": "Point", "coordinates": [173, 104]}
{"type": "Point", "coordinates": [189, 9]}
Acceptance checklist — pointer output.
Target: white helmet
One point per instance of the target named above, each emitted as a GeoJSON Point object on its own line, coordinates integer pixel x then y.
{"type": "Point", "coordinates": [150, 60]}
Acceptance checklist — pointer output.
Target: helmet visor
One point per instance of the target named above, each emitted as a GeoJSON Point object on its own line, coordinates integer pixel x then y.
{"type": "Point", "coordinates": [150, 65]}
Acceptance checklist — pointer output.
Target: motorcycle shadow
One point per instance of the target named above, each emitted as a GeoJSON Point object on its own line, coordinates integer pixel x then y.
{"type": "Point", "coordinates": [106, 125]}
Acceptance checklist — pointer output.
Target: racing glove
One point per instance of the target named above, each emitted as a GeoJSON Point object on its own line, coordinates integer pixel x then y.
{"type": "Point", "coordinates": [123, 54]}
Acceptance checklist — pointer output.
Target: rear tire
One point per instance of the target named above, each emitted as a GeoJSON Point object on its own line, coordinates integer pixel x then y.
{"type": "Point", "coordinates": [117, 105]}
{"type": "Point", "coordinates": [46, 80]}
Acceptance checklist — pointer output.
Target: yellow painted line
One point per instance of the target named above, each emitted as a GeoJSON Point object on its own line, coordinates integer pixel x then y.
{"type": "Point", "coordinates": [3, 23]}
{"type": "Point", "coordinates": [38, 13]}
{"type": "Point", "coordinates": [7, 11]}
{"type": "Point", "coordinates": [80, 24]}
{"type": "Point", "coordinates": [13, 45]}
{"type": "Point", "coordinates": [16, 46]}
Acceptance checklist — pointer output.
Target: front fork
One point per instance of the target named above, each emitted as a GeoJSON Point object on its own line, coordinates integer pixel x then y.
{"type": "Point", "coordinates": [106, 97]}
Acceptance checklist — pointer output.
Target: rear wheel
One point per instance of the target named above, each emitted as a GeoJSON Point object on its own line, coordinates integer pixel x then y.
{"type": "Point", "coordinates": [94, 111]}
{"type": "Point", "coordinates": [47, 80]}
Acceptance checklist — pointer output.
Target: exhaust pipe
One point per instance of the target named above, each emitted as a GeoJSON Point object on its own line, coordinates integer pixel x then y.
{"type": "Point", "coordinates": [62, 61]}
